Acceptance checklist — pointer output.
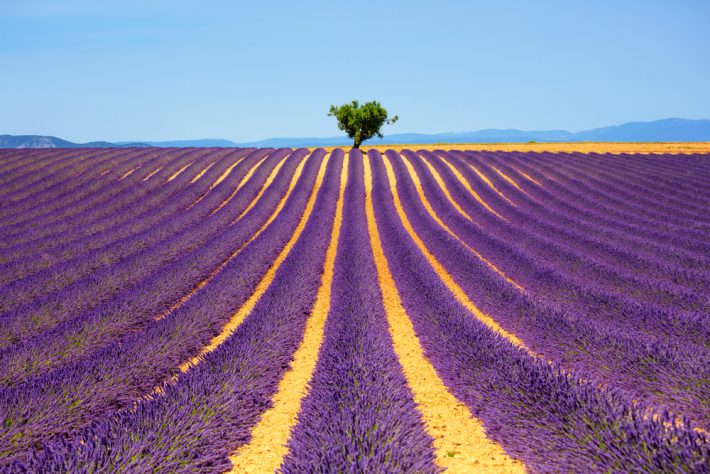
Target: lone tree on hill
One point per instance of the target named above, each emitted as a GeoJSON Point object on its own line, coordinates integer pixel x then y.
{"type": "Point", "coordinates": [361, 122]}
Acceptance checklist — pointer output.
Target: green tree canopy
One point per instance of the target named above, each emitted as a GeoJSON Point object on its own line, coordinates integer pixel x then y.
{"type": "Point", "coordinates": [361, 122]}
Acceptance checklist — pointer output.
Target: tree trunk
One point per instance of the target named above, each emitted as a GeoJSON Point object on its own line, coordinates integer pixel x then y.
{"type": "Point", "coordinates": [356, 144]}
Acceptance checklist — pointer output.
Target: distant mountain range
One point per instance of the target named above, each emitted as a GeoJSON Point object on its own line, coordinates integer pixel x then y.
{"type": "Point", "coordinates": [668, 130]}
{"type": "Point", "coordinates": [40, 141]}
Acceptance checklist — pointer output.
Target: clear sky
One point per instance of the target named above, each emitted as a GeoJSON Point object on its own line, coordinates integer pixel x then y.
{"type": "Point", "coordinates": [156, 70]}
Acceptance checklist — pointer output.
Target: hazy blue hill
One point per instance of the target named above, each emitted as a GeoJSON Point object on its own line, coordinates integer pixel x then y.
{"type": "Point", "coordinates": [668, 130]}
{"type": "Point", "coordinates": [206, 142]}
{"type": "Point", "coordinates": [40, 141]}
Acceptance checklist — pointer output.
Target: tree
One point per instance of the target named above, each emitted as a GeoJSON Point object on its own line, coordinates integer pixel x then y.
{"type": "Point", "coordinates": [361, 122]}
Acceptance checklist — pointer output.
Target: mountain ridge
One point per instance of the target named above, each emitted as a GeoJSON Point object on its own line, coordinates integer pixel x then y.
{"type": "Point", "coordinates": [665, 130]}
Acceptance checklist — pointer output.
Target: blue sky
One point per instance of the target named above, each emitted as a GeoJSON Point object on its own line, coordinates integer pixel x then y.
{"type": "Point", "coordinates": [153, 70]}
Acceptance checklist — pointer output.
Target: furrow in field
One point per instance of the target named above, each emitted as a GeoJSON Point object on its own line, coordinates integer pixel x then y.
{"type": "Point", "coordinates": [54, 190]}
{"type": "Point", "coordinates": [525, 404]}
{"type": "Point", "coordinates": [490, 184]}
{"type": "Point", "coordinates": [642, 217]}
{"type": "Point", "coordinates": [127, 214]}
{"type": "Point", "coordinates": [41, 175]}
{"type": "Point", "coordinates": [238, 317]}
{"type": "Point", "coordinates": [459, 439]}
{"type": "Point", "coordinates": [510, 249]}
{"type": "Point", "coordinates": [107, 200]}
{"type": "Point", "coordinates": [119, 374]}
{"type": "Point", "coordinates": [673, 243]}
{"type": "Point", "coordinates": [152, 173]}
{"type": "Point", "coordinates": [221, 178]}
{"type": "Point", "coordinates": [638, 181]}
{"type": "Point", "coordinates": [359, 415]}
{"type": "Point", "coordinates": [77, 196]}
{"type": "Point", "coordinates": [221, 398]}
{"type": "Point", "coordinates": [267, 447]}
{"type": "Point", "coordinates": [153, 280]}
{"type": "Point", "coordinates": [127, 173]}
{"type": "Point", "coordinates": [233, 254]}
{"type": "Point", "coordinates": [532, 180]}
{"type": "Point", "coordinates": [617, 252]}
{"type": "Point", "coordinates": [239, 186]}
{"type": "Point", "coordinates": [610, 356]}
{"type": "Point", "coordinates": [443, 273]}
{"type": "Point", "coordinates": [202, 173]}
{"type": "Point", "coordinates": [435, 216]}
{"type": "Point", "coordinates": [177, 173]}
{"type": "Point", "coordinates": [470, 189]}
{"type": "Point", "coordinates": [576, 255]}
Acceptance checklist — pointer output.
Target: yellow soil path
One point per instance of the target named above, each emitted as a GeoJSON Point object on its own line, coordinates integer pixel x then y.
{"type": "Point", "coordinates": [221, 178]}
{"type": "Point", "coordinates": [460, 441]}
{"type": "Point", "coordinates": [201, 173]}
{"type": "Point", "coordinates": [237, 318]}
{"type": "Point", "coordinates": [269, 438]}
{"type": "Point", "coordinates": [507, 178]}
{"type": "Point", "coordinates": [427, 205]}
{"type": "Point", "coordinates": [270, 179]}
{"type": "Point", "coordinates": [444, 188]}
{"type": "Point", "coordinates": [127, 174]}
{"type": "Point", "coordinates": [445, 276]}
{"type": "Point", "coordinates": [490, 184]}
{"type": "Point", "coordinates": [177, 173]}
{"type": "Point", "coordinates": [468, 187]}
{"type": "Point", "coordinates": [151, 174]}
{"type": "Point", "coordinates": [529, 178]}
{"type": "Point", "coordinates": [236, 252]}
{"type": "Point", "coordinates": [246, 178]}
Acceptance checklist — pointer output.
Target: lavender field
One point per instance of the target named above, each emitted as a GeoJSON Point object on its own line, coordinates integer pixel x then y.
{"type": "Point", "coordinates": [261, 310]}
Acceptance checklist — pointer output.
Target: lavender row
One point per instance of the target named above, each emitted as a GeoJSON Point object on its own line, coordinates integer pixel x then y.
{"type": "Point", "coordinates": [645, 179]}
{"type": "Point", "coordinates": [573, 262]}
{"type": "Point", "coordinates": [140, 287]}
{"type": "Point", "coordinates": [693, 166]}
{"type": "Point", "coordinates": [119, 375]}
{"type": "Point", "coordinates": [93, 193]}
{"type": "Point", "coordinates": [209, 411]}
{"type": "Point", "coordinates": [46, 168]}
{"type": "Point", "coordinates": [608, 232]}
{"type": "Point", "coordinates": [507, 248]}
{"type": "Point", "coordinates": [100, 249]}
{"type": "Point", "coordinates": [608, 354]}
{"type": "Point", "coordinates": [581, 201]}
{"type": "Point", "coordinates": [17, 163]}
{"type": "Point", "coordinates": [570, 233]}
{"type": "Point", "coordinates": [630, 214]}
{"type": "Point", "coordinates": [13, 159]}
{"type": "Point", "coordinates": [29, 279]}
{"type": "Point", "coordinates": [110, 200]}
{"type": "Point", "coordinates": [359, 415]}
{"type": "Point", "coordinates": [553, 422]}
{"type": "Point", "coordinates": [651, 249]}
{"type": "Point", "coordinates": [628, 203]}
{"type": "Point", "coordinates": [130, 207]}
{"type": "Point", "coordinates": [53, 188]}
